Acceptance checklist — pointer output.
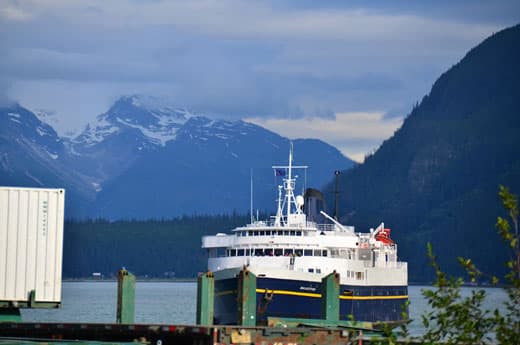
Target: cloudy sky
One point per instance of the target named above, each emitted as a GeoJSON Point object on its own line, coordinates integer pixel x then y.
{"type": "Point", "coordinates": [346, 72]}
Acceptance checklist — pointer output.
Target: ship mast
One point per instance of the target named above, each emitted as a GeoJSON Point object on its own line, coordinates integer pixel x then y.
{"type": "Point", "coordinates": [289, 184]}
{"type": "Point", "coordinates": [289, 199]}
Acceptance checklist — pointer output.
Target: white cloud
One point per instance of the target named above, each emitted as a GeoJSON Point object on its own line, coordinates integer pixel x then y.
{"type": "Point", "coordinates": [355, 134]}
{"type": "Point", "coordinates": [241, 58]}
{"type": "Point", "coordinates": [12, 13]}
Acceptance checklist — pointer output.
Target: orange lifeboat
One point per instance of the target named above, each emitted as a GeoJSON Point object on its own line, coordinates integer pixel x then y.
{"type": "Point", "coordinates": [384, 236]}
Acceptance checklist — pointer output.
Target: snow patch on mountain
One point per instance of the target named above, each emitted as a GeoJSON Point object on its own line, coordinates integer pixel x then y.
{"type": "Point", "coordinates": [42, 131]}
{"type": "Point", "coordinates": [156, 135]}
{"type": "Point", "coordinates": [157, 122]}
{"type": "Point", "coordinates": [35, 179]}
{"type": "Point", "coordinates": [96, 132]}
{"type": "Point", "coordinates": [97, 187]}
{"type": "Point", "coordinates": [14, 117]}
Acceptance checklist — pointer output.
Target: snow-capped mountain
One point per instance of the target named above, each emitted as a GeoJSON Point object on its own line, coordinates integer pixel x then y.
{"type": "Point", "coordinates": [144, 159]}
{"type": "Point", "coordinates": [32, 155]}
{"type": "Point", "coordinates": [156, 123]}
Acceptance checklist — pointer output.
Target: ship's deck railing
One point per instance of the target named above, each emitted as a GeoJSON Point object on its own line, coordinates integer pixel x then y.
{"type": "Point", "coordinates": [270, 225]}
{"type": "Point", "coordinates": [326, 227]}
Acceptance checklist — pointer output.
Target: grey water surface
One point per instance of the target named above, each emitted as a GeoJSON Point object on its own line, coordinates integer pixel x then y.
{"type": "Point", "coordinates": [175, 303]}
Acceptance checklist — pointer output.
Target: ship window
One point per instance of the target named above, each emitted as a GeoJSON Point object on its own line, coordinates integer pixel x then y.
{"type": "Point", "coordinates": [255, 233]}
{"type": "Point", "coordinates": [269, 252]}
{"type": "Point", "coordinates": [259, 252]}
{"type": "Point", "coordinates": [318, 270]}
{"type": "Point", "coordinates": [311, 270]}
{"type": "Point", "coordinates": [240, 252]}
{"type": "Point", "coordinates": [299, 252]}
{"type": "Point", "coordinates": [280, 233]}
{"type": "Point", "coordinates": [268, 233]}
{"type": "Point", "coordinates": [262, 233]}
{"type": "Point", "coordinates": [278, 252]}
{"type": "Point", "coordinates": [286, 233]}
{"type": "Point", "coordinates": [293, 232]}
{"type": "Point", "coordinates": [233, 252]}
{"type": "Point", "coordinates": [288, 252]}
{"type": "Point", "coordinates": [298, 233]}
{"type": "Point", "coordinates": [317, 252]}
{"type": "Point", "coordinates": [324, 253]}
{"type": "Point", "coordinates": [248, 252]}
{"type": "Point", "coordinates": [307, 252]}
{"type": "Point", "coordinates": [359, 275]}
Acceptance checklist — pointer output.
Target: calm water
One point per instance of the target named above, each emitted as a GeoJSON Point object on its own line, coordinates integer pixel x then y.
{"type": "Point", "coordinates": [173, 303]}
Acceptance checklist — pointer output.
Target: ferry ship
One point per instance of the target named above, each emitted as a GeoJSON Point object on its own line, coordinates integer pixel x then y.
{"type": "Point", "coordinates": [292, 251]}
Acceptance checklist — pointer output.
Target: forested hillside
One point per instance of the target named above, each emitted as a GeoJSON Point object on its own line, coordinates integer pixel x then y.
{"type": "Point", "coordinates": [154, 248]}
{"type": "Point", "coordinates": [437, 178]}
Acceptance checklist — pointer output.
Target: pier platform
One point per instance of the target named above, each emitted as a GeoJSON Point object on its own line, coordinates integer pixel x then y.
{"type": "Point", "coordinates": [88, 333]}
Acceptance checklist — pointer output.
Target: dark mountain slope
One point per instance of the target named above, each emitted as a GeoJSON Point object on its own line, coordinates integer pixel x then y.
{"type": "Point", "coordinates": [32, 155]}
{"type": "Point", "coordinates": [206, 170]}
{"type": "Point", "coordinates": [437, 178]}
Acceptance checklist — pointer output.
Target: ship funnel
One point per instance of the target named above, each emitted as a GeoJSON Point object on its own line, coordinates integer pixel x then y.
{"type": "Point", "coordinates": [314, 202]}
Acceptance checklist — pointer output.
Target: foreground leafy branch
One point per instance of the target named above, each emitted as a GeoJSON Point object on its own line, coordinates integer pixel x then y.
{"type": "Point", "coordinates": [458, 319]}
{"type": "Point", "coordinates": [508, 325]}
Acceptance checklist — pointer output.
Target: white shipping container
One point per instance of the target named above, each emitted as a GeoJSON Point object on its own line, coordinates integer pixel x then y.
{"type": "Point", "coordinates": [31, 243]}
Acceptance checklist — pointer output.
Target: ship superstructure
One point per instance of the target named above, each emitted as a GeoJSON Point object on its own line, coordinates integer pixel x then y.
{"type": "Point", "coordinates": [290, 255]}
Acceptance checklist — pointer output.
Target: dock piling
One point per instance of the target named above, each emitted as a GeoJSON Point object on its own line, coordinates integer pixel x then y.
{"type": "Point", "coordinates": [205, 299]}
{"type": "Point", "coordinates": [10, 315]}
{"type": "Point", "coordinates": [125, 297]}
{"type": "Point", "coordinates": [330, 297]}
{"type": "Point", "coordinates": [246, 298]}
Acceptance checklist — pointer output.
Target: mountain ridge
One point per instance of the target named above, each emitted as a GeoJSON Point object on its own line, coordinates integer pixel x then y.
{"type": "Point", "coordinates": [130, 147]}
{"type": "Point", "coordinates": [436, 180]}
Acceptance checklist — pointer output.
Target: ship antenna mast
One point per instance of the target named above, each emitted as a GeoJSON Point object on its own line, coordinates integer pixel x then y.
{"type": "Point", "coordinates": [336, 191]}
{"type": "Point", "coordinates": [277, 220]}
{"type": "Point", "coordinates": [251, 194]}
{"type": "Point", "coordinates": [290, 194]}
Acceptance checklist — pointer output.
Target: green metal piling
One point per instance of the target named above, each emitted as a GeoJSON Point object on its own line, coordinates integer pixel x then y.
{"type": "Point", "coordinates": [125, 297]}
{"type": "Point", "coordinates": [10, 315]}
{"type": "Point", "coordinates": [205, 299]}
{"type": "Point", "coordinates": [246, 298]}
{"type": "Point", "coordinates": [330, 297]}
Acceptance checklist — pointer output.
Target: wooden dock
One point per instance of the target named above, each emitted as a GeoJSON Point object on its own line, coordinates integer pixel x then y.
{"type": "Point", "coordinates": [92, 333]}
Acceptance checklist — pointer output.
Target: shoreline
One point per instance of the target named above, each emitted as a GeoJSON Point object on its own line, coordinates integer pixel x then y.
{"type": "Point", "coordinates": [138, 279]}
{"type": "Point", "coordinates": [194, 280]}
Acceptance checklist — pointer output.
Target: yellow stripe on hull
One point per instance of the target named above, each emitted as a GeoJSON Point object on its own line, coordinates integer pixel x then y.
{"type": "Point", "coordinates": [317, 295]}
